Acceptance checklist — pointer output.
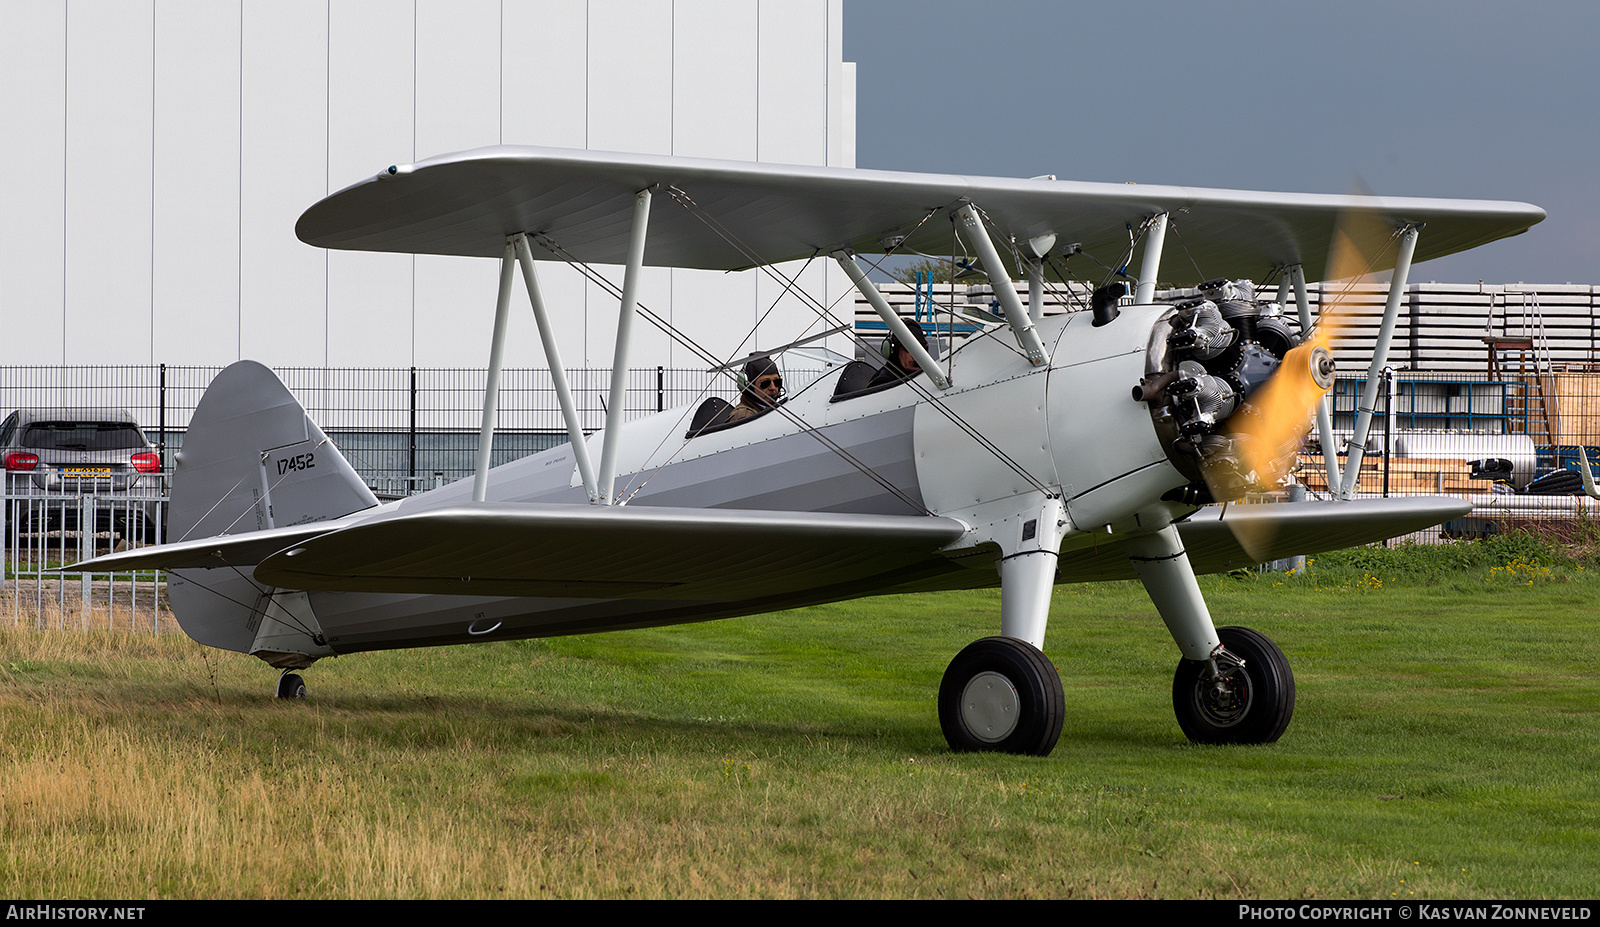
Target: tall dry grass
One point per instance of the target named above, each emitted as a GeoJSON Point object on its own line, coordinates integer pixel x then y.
{"type": "Point", "coordinates": [101, 795]}
{"type": "Point", "coordinates": [63, 609]}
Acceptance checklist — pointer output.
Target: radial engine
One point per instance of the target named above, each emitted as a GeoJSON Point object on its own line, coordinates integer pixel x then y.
{"type": "Point", "coordinates": [1207, 358]}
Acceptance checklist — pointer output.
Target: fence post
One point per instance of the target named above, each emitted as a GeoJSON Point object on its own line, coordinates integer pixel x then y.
{"type": "Point", "coordinates": [661, 388]}
{"type": "Point", "coordinates": [86, 524]}
{"type": "Point", "coordinates": [161, 427]}
{"type": "Point", "coordinates": [411, 475]}
{"type": "Point", "coordinates": [8, 529]}
{"type": "Point", "coordinates": [1388, 424]}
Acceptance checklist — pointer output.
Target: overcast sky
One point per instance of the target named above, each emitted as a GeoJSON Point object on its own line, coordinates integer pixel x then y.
{"type": "Point", "coordinates": [1471, 99]}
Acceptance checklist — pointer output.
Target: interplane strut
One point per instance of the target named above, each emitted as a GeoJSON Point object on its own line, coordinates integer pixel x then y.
{"type": "Point", "coordinates": [1380, 358]}
{"type": "Point", "coordinates": [607, 476]}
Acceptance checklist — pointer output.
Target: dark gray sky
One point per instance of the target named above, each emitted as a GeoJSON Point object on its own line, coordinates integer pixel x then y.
{"type": "Point", "coordinates": [1471, 99]}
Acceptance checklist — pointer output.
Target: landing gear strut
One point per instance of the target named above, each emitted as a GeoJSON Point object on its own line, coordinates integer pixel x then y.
{"type": "Point", "coordinates": [1233, 686]}
{"type": "Point", "coordinates": [1001, 695]}
{"type": "Point", "coordinates": [290, 685]}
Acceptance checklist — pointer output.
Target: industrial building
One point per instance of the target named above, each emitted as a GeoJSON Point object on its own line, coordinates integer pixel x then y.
{"type": "Point", "coordinates": [159, 152]}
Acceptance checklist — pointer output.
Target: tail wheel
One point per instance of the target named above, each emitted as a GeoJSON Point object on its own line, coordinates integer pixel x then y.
{"type": "Point", "coordinates": [1248, 700]}
{"type": "Point", "coordinates": [290, 685]}
{"type": "Point", "coordinates": [1001, 695]}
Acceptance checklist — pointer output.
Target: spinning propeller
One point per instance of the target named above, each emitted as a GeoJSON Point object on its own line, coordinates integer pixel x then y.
{"type": "Point", "coordinates": [1273, 422]}
{"type": "Point", "coordinates": [1271, 426]}
{"type": "Point", "coordinates": [1238, 387]}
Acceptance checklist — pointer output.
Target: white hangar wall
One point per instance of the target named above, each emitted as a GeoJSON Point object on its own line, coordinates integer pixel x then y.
{"type": "Point", "coordinates": [158, 153]}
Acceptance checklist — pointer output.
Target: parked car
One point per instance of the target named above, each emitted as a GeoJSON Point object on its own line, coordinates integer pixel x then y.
{"type": "Point", "coordinates": [52, 454]}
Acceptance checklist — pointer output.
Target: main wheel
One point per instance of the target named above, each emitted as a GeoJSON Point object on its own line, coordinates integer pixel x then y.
{"type": "Point", "coordinates": [1001, 695]}
{"type": "Point", "coordinates": [290, 685]}
{"type": "Point", "coordinates": [1248, 704]}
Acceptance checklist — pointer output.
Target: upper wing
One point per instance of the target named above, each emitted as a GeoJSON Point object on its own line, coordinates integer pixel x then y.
{"type": "Point", "coordinates": [746, 213]}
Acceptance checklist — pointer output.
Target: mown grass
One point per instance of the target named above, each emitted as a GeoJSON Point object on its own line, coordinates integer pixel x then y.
{"type": "Point", "coordinates": [1443, 746]}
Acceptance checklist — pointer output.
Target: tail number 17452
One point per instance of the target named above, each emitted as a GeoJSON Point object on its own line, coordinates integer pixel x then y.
{"type": "Point", "coordinates": [297, 462]}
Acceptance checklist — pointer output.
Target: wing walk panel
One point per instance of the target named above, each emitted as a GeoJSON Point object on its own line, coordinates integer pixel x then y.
{"type": "Point", "coordinates": [587, 551]}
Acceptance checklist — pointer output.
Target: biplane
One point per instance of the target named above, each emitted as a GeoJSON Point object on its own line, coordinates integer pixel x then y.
{"type": "Point", "coordinates": [1044, 449]}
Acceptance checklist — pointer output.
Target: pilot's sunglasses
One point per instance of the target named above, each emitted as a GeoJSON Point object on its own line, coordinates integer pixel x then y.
{"type": "Point", "coordinates": [769, 382]}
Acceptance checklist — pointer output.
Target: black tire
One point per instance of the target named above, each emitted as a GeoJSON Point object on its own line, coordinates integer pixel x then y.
{"type": "Point", "coordinates": [1250, 705]}
{"type": "Point", "coordinates": [290, 685]}
{"type": "Point", "coordinates": [1001, 695]}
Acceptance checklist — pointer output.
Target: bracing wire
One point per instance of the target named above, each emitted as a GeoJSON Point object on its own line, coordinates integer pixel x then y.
{"type": "Point", "coordinates": [711, 359]}
{"type": "Point", "coordinates": [1351, 283]}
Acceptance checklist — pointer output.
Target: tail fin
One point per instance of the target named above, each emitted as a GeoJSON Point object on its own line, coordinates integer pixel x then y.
{"type": "Point", "coordinates": [253, 459]}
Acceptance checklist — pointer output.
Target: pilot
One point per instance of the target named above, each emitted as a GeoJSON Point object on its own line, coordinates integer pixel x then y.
{"type": "Point", "coordinates": [901, 364]}
{"type": "Point", "coordinates": [763, 388]}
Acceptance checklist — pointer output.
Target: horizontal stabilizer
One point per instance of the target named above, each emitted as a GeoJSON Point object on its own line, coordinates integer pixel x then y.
{"type": "Point", "coordinates": [227, 550]}
{"type": "Point", "coordinates": [589, 551]}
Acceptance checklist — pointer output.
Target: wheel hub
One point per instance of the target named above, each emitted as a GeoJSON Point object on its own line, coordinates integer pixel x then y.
{"type": "Point", "coordinates": [990, 707]}
{"type": "Point", "coordinates": [1226, 698]}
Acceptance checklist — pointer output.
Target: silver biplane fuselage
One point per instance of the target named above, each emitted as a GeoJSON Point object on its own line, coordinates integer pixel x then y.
{"type": "Point", "coordinates": [1071, 426]}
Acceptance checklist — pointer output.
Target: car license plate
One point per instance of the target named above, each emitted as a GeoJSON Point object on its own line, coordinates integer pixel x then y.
{"type": "Point", "coordinates": [85, 473]}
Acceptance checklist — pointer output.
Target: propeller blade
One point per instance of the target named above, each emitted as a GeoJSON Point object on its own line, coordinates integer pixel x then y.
{"type": "Point", "coordinates": [1270, 426]}
{"type": "Point", "coordinates": [1273, 421]}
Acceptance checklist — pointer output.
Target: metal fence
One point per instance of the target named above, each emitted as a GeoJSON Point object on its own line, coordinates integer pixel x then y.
{"type": "Point", "coordinates": [45, 530]}
{"type": "Point", "coordinates": [1512, 442]}
{"type": "Point", "coordinates": [403, 428]}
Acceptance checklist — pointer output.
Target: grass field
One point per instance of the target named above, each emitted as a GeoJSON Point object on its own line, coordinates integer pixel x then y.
{"type": "Point", "coordinates": [1444, 746]}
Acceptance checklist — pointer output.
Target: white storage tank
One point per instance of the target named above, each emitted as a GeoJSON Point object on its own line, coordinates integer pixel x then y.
{"type": "Point", "coordinates": [1518, 449]}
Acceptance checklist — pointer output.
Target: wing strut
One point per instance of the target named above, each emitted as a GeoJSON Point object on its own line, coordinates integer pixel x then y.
{"type": "Point", "coordinates": [558, 373]}
{"type": "Point", "coordinates": [1380, 358]}
{"type": "Point", "coordinates": [1150, 264]}
{"type": "Point", "coordinates": [1035, 289]}
{"type": "Point", "coordinates": [607, 477]}
{"type": "Point", "coordinates": [1016, 316]}
{"type": "Point", "coordinates": [1330, 453]}
{"type": "Point", "coordinates": [491, 388]}
{"type": "Point", "coordinates": [517, 252]}
{"type": "Point", "coordinates": [890, 318]}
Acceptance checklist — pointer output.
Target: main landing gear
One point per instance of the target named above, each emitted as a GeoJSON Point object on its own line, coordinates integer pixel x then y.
{"type": "Point", "coordinates": [290, 685]}
{"type": "Point", "coordinates": [1233, 686]}
{"type": "Point", "coordinates": [1243, 695]}
{"type": "Point", "coordinates": [1001, 695]}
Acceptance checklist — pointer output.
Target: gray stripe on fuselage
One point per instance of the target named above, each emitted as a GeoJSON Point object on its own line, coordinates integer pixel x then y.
{"type": "Point", "coordinates": [796, 472]}
{"type": "Point", "coordinates": [793, 472]}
